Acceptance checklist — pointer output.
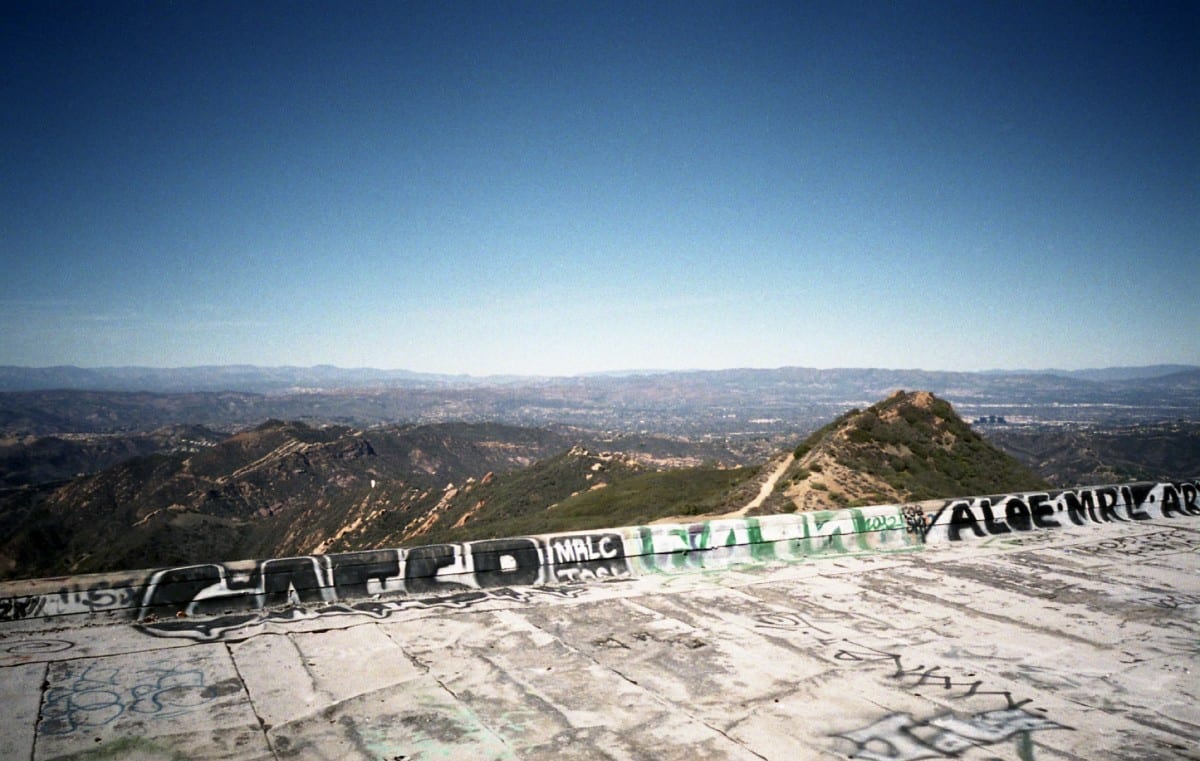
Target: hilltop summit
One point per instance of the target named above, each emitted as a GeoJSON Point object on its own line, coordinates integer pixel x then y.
{"type": "Point", "coordinates": [910, 446]}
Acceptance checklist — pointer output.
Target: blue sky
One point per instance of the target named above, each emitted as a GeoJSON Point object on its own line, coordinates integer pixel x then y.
{"type": "Point", "coordinates": [569, 187]}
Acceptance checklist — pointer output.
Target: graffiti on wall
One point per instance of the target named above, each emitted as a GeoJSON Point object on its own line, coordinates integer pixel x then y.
{"type": "Point", "coordinates": [474, 572]}
{"type": "Point", "coordinates": [702, 545]}
{"type": "Point", "coordinates": [94, 597]}
{"type": "Point", "coordinates": [214, 588]}
{"type": "Point", "coordinates": [853, 530]}
{"type": "Point", "coordinates": [452, 569]}
{"type": "Point", "coordinates": [587, 556]}
{"type": "Point", "coordinates": [27, 606]}
{"type": "Point", "coordinates": [722, 543]}
{"type": "Point", "coordinates": [218, 589]}
{"type": "Point", "coordinates": [981, 517]}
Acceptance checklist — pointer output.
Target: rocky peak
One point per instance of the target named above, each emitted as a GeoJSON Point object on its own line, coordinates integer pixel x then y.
{"type": "Point", "coordinates": [909, 446]}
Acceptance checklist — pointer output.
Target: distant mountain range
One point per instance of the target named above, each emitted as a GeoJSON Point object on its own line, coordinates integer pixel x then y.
{"type": "Point", "coordinates": [1105, 374]}
{"type": "Point", "coordinates": [256, 379]}
{"type": "Point", "coordinates": [248, 378]}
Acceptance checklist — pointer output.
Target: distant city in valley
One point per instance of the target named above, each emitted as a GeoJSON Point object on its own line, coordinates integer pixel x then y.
{"type": "Point", "coordinates": [738, 403]}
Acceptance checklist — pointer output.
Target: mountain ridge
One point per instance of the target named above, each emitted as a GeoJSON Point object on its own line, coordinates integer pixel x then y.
{"type": "Point", "coordinates": [262, 379]}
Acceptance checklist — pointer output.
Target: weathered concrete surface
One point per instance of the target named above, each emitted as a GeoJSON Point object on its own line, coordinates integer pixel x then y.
{"type": "Point", "coordinates": [1081, 643]}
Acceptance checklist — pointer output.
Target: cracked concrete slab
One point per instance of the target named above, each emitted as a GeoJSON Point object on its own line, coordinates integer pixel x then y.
{"type": "Point", "coordinates": [21, 706]}
{"type": "Point", "coordinates": [184, 702]}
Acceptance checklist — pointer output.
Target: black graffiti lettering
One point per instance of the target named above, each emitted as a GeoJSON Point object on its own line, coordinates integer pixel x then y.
{"type": "Point", "coordinates": [960, 517]}
{"type": "Point", "coordinates": [899, 736]}
{"type": "Point", "coordinates": [1042, 510]}
{"type": "Point", "coordinates": [173, 590]}
{"type": "Point", "coordinates": [1191, 499]}
{"type": "Point", "coordinates": [1108, 504]}
{"type": "Point", "coordinates": [921, 676]}
{"type": "Point", "coordinates": [894, 738]}
{"type": "Point", "coordinates": [16, 608]}
{"type": "Point", "coordinates": [914, 520]}
{"type": "Point", "coordinates": [500, 562]}
{"type": "Point", "coordinates": [1016, 514]}
{"type": "Point", "coordinates": [868, 654]}
{"type": "Point", "coordinates": [589, 556]}
{"type": "Point", "coordinates": [1132, 504]}
{"type": "Point", "coordinates": [1081, 506]}
{"type": "Point", "coordinates": [103, 595]}
{"type": "Point", "coordinates": [1138, 495]}
{"type": "Point", "coordinates": [787, 621]}
{"type": "Point", "coordinates": [890, 738]}
{"type": "Point", "coordinates": [212, 588]}
{"type": "Point", "coordinates": [422, 564]}
{"type": "Point", "coordinates": [290, 580]}
{"type": "Point", "coordinates": [930, 676]}
{"type": "Point", "coordinates": [353, 572]}
{"type": "Point", "coordinates": [992, 525]}
{"type": "Point", "coordinates": [1171, 502]}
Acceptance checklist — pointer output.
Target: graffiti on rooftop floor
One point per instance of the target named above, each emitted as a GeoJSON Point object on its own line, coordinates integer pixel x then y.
{"type": "Point", "coordinates": [900, 737]}
{"type": "Point", "coordinates": [239, 626]}
{"type": "Point", "coordinates": [89, 694]}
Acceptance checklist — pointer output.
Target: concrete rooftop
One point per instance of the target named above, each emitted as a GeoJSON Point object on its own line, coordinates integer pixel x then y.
{"type": "Point", "coordinates": [1080, 643]}
{"type": "Point", "coordinates": [1061, 625]}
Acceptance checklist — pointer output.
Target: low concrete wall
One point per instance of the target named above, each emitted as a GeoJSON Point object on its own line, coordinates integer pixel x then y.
{"type": "Point", "coordinates": [164, 601]}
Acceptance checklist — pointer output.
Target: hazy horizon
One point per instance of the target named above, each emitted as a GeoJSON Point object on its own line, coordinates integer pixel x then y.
{"type": "Point", "coordinates": [564, 189]}
{"type": "Point", "coordinates": [613, 372]}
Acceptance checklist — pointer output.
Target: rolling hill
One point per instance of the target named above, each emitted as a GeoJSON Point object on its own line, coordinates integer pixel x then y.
{"type": "Point", "coordinates": [911, 446]}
